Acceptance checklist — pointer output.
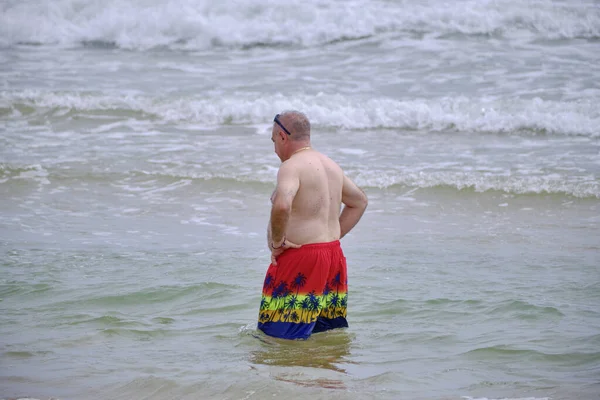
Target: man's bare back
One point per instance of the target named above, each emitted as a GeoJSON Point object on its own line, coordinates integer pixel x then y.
{"type": "Point", "coordinates": [311, 189]}
{"type": "Point", "coordinates": [316, 206]}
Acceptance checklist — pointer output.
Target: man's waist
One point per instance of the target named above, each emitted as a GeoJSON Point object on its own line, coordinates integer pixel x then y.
{"type": "Point", "coordinates": [311, 245]}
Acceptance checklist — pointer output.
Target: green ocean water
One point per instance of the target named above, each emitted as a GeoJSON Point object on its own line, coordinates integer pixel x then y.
{"type": "Point", "coordinates": [456, 297]}
{"type": "Point", "coordinates": [136, 168]}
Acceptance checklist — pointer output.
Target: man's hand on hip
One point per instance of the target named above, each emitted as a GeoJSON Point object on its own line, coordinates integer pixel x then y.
{"type": "Point", "coordinates": [276, 252]}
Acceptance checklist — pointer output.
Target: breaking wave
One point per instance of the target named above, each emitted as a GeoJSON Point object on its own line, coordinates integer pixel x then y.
{"type": "Point", "coordinates": [567, 118]}
{"type": "Point", "coordinates": [202, 24]}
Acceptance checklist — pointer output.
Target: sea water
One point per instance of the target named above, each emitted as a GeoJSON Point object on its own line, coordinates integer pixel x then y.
{"type": "Point", "coordinates": [136, 168]}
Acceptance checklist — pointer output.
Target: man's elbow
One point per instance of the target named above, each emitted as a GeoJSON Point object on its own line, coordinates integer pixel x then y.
{"type": "Point", "coordinates": [359, 203]}
{"type": "Point", "coordinates": [364, 201]}
{"type": "Point", "coordinates": [280, 208]}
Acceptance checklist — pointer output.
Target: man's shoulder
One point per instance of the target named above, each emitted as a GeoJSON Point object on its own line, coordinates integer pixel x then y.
{"type": "Point", "coordinates": [323, 157]}
{"type": "Point", "coordinates": [331, 162]}
{"type": "Point", "coordinates": [288, 168]}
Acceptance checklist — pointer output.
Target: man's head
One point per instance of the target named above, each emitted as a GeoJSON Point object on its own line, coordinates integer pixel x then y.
{"type": "Point", "coordinates": [291, 130]}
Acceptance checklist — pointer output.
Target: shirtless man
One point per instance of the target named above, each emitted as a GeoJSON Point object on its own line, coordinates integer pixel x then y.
{"type": "Point", "coordinates": [305, 289]}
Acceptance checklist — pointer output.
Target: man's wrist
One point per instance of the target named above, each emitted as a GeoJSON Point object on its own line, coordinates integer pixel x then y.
{"type": "Point", "coordinates": [279, 245]}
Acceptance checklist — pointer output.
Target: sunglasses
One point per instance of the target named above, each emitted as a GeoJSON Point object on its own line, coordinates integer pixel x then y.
{"type": "Point", "coordinates": [276, 120]}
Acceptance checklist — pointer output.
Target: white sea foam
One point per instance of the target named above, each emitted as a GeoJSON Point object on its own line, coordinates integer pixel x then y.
{"type": "Point", "coordinates": [582, 187]}
{"type": "Point", "coordinates": [581, 118]}
{"type": "Point", "coordinates": [356, 152]}
{"type": "Point", "coordinates": [35, 173]}
{"type": "Point", "coordinates": [204, 23]}
{"type": "Point", "coordinates": [516, 184]}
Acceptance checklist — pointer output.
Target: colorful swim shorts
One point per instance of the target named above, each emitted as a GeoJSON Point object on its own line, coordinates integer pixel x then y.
{"type": "Point", "coordinates": [307, 292]}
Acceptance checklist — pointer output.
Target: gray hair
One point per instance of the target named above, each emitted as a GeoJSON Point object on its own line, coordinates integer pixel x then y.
{"type": "Point", "coordinates": [297, 123]}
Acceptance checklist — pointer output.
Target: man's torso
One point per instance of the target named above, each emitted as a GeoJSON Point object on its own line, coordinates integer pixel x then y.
{"type": "Point", "coordinates": [316, 207]}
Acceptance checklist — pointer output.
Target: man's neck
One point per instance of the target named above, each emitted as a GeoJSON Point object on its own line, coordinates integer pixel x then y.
{"type": "Point", "coordinates": [299, 148]}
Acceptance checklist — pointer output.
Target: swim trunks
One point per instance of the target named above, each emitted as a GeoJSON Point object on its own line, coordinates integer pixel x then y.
{"type": "Point", "coordinates": [307, 292]}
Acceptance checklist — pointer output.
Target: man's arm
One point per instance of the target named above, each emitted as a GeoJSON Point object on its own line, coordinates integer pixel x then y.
{"type": "Point", "coordinates": [355, 203]}
{"type": "Point", "coordinates": [288, 184]}
{"type": "Point", "coordinates": [269, 239]}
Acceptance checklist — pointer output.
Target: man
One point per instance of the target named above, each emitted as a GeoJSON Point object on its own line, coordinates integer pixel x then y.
{"type": "Point", "coordinates": [305, 289]}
